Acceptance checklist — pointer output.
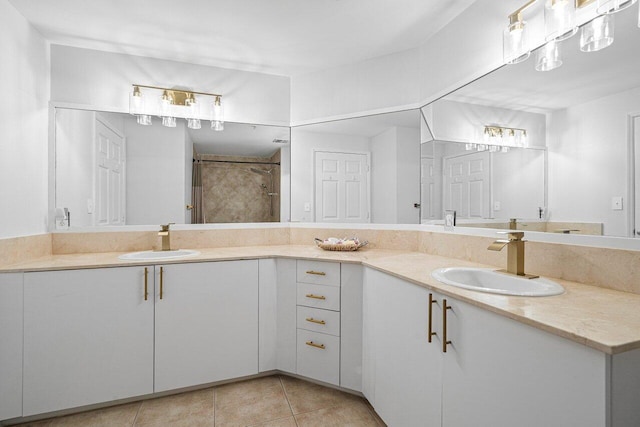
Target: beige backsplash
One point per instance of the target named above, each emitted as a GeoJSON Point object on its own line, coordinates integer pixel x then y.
{"type": "Point", "coordinates": [609, 268]}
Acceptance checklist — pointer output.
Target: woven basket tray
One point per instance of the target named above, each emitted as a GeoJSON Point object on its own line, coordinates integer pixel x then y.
{"type": "Point", "coordinates": [339, 246]}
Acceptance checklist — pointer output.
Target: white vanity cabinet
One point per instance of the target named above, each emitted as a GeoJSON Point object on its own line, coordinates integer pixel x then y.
{"type": "Point", "coordinates": [317, 302]}
{"type": "Point", "coordinates": [206, 322]}
{"type": "Point", "coordinates": [10, 345]}
{"type": "Point", "coordinates": [496, 372]}
{"type": "Point", "coordinates": [88, 337]}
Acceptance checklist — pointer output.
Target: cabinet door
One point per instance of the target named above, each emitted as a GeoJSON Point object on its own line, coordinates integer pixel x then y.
{"type": "Point", "coordinates": [88, 337]}
{"type": "Point", "coordinates": [501, 373]}
{"type": "Point", "coordinates": [286, 316]}
{"type": "Point", "coordinates": [206, 323]}
{"type": "Point", "coordinates": [401, 369]}
{"type": "Point", "coordinates": [10, 345]}
{"type": "Point", "coordinates": [351, 327]}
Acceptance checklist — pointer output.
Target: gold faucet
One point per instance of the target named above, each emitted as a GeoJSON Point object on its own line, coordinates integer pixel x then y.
{"type": "Point", "coordinates": [515, 253]}
{"type": "Point", "coordinates": [166, 237]}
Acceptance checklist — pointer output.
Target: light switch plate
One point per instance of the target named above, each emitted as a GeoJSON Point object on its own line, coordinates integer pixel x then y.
{"type": "Point", "coordinates": [497, 206]}
{"type": "Point", "coordinates": [616, 203]}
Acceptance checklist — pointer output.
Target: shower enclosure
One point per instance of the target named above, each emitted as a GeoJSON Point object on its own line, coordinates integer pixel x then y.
{"type": "Point", "coordinates": [241, 189]}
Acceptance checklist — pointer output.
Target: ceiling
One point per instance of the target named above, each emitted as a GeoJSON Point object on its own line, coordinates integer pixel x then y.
{"type": "Point", "coordinates": [284, 37]}
{"type": "Point", "coordinates": [368, 126]}
{"type": "Point", "coordinates": [239, 139]}
{"type": "Point", "coordinates": [581, 78]}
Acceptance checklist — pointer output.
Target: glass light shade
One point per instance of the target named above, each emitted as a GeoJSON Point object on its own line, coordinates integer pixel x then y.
{"type": "Point", "coordinates": [559, 19]}
{"type": "Point", "coordinates": [613, 6]}
{"type": "Point", "coordinates": [169, 122]}
{"type": "Point", "coordinates": [597, 34]}
{"type": "Point", "coordinates": [470, 146]}
{"type": "Point", "coordinates": [136, 103]}
{"type": "Point", "coordinates": [194, 123]}
{"type": "Point", "coordinates": [217, 125]}
{"type": "Point", "coordinates": [524, 140]}
{"type": "Point", "coordinates": [144, 119]}
{"type": "Point", "coordinates": [515, 47]}
{"type": "Point", "coordinates": [504, 149]}
{"type": "Point", "coordinates": [481, 147]}
{"type": "Point", "coordinates": [548, 57]}
{"type": "Point", "coordinates": [494, 148]}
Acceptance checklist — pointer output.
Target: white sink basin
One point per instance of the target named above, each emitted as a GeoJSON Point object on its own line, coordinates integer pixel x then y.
{"type": "Point", "coordinates": [158, 255]}
{"type": "Point", "coordinates": [488, 280]}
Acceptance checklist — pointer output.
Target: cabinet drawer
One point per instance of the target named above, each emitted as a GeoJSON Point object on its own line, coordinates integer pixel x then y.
{"type": "Point", "coordinates": [319, 296]}
{"type": "Point", "coordinates": [319, 356]}
{"type": "Point", "coordinates": [318, 272]}
{"type": "Point", "coordinates": [318, 320]}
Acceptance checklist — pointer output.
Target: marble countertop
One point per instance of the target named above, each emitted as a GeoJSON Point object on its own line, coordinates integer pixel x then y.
{"type": "Point", "coordinates": [604, 319]}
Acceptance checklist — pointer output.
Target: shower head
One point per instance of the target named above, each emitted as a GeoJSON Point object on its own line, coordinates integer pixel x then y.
{"type": "Point", "coordinates": [261, 171]}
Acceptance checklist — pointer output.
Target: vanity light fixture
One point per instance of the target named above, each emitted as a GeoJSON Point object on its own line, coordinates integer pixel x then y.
{"type": "Point", "coordinates": [559, 20]}
{"type": "Point", "coordinates": [171, 104]}
{"type": "Point", "coordinates": [515, 37]}
{"type": "Point", "coordinates": [499, 139]}
{"type": "Point", "coordinates": [613, 6]}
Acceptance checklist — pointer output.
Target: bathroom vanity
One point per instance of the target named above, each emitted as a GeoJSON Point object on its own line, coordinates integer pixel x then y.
{"type": "Point", "coordinates": [99, 331]}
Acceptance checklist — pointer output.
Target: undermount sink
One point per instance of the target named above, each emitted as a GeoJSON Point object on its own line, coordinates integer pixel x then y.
{"type": "Point", "coordinates": [158, 255]}
{"type": "Point", "coordinates": [488, 280]}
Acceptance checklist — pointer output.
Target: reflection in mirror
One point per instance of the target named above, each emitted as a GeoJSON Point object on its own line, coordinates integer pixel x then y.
{"type": "Point", "coordinates": [112, 171]}
{"type": "Point", "coordinates": [361, 170]}
{"type": "Point", "coordinates": [583, 117]}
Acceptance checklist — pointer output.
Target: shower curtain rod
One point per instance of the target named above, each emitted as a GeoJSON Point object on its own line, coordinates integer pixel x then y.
{"type": "Point", "coordinates": [231, 161]}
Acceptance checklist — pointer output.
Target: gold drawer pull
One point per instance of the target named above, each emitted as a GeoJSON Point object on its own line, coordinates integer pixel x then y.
{"type": "Point", "coordinates": [312, 320]}
{"type": "Point", "coordinates": [317, 273]}
{"type": "Point", "coordinates": [445, 341]}
{"type": "Point", "coordinates": [315, 296]}
{"type": "Point", "coordinates": [312, 344]}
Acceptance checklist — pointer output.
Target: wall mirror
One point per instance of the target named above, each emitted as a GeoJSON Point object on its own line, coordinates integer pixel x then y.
{"type": "Point", "coordinates": [359, 170]}
{"type": "Point", "coordinates": [110, 171]}
{"type": "Point", "coordinates": [574, 171]}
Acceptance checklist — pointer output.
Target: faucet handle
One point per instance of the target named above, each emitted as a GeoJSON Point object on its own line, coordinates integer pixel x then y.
{"type": "Point", "coordinates": [513, 235]}
{"type": "Point", "coordinates": [165, 227]}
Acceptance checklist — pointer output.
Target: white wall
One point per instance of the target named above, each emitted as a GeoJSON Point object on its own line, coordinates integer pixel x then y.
{"type": "Point", "coordinates": [103, 80]}
{"type": "Point", "coordinates": [155, 180]}
{"type": "Point", "coordinates": [23, 128]}
{"type": "Point", "coordinates": [464, 122]}
{"type": "Point", "coordinates": [408, 180]}
{"type": "Point", "coordinates": [588, 161]}
{"type": "Point", "coordinates": [75, 146]}
{"type": "Point", "coordinates": [384, 185]}
{"type": "Point", "coordinates": [517, 182]}
{"type": "Point", "coordinates": [302, 165]}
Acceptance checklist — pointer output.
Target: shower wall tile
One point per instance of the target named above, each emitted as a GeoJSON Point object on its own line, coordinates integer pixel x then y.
{"type": "Point", "coordinates": [235, 194]}
{"type": "Point", "coordinates": [20, 249]}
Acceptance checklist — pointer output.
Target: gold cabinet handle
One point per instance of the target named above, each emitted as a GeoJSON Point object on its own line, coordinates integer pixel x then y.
{"type": "Point", "coordinates": [146, 283]}
{"type": "Point", "coordinates": [317, 273]}
{"type": "Point", "coordinates": [315, 296]}
{"type": "Point", "coordinates": [161, 281]}
{"type": "Point", "coordinates": [312, 344]}
{"type": "Point", "coordinates": [445, 307]}
{"type": "Point", "coordinates": [319, 322]}
{"type": "Point", "coordinates": [431, 333]}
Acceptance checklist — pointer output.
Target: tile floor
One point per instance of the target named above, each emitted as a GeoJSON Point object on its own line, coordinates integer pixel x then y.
{"type": "Point", "coordinates": [275, 401]}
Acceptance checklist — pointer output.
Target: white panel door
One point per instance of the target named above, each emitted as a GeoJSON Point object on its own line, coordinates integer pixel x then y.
{"type": "Point", "coordinates": [10, 345]}
{"type": "Point", "coordinates": [342, 188]}
{"type": "Point", "coordinates": [88, 337]}
{"type": "Point", "coordinates": [429, 208]}
{"type": "Point", "coordinates": [206, 323]}
{"type": "Point", "coordinates": [110, 176]}
{"type": "Point", "coordinates": [467, 182]}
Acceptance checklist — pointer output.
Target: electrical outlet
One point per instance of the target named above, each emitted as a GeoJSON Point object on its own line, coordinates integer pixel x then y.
{"type": "Point", "coordinates": [496, 206]}
{"type": "Point", "coordinates": [90, 206]}
{"type": "Point", "coordinates": [307, 207]}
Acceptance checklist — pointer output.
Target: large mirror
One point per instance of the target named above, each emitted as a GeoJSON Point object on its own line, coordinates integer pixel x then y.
{"type": "Point", "coordinates": [574, 173]}
{"type": "Point", "coordinates": [359, 170]}
{"type": "Point", "coordinates": [112, 171]}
